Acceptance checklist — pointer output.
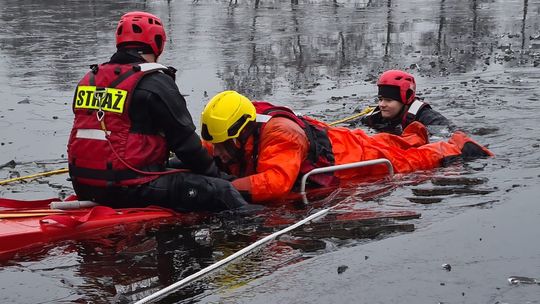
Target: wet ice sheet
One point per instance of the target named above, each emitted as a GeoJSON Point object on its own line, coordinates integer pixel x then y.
{"type": "Point", "coordinates": [475, 61]}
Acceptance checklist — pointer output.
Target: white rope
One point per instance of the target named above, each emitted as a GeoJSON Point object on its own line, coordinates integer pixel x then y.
{"type": "Point", "coordinates": [171, 288]}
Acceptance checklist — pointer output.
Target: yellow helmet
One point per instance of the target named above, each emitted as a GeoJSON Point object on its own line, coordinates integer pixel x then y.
{"type": "Point", "coordinates": [225, 116]}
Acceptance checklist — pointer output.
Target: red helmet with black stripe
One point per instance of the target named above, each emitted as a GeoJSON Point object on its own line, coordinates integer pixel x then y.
{"type": "Point", "coordinates": [402, 80]}
{"type": "Point", "coordinates": [141, 27]}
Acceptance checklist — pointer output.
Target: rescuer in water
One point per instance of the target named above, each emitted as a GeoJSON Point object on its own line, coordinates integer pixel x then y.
{"type": "Point", "coordinates": [398, 107]}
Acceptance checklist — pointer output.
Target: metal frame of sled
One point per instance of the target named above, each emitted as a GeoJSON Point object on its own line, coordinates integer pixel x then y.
{"type": "Point", "coordinates": [365, 163]}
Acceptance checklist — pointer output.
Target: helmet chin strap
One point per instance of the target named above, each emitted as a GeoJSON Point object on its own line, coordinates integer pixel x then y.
{"type": "Point", "coordinates": [403, 113]}
{"type": "Point", "coordinates": [237, 152]}
{"type": "Point", "coordinates": [245, 133]}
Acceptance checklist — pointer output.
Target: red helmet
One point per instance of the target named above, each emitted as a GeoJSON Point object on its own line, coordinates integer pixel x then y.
{"type": "Point", "coordinates": [404, 81]}
{"type": "Point", "coordinates": [141, 27]}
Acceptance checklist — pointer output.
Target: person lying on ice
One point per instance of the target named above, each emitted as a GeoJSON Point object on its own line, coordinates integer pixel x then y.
{"type": "Point", "coordinates": [269, 148]}
{"type": "Point", "coordinates": [398, 107]}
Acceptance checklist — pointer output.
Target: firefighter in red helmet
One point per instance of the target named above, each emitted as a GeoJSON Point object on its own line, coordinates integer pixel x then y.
{"type": "Point", "coordinates": [129, 116]}
{"type": "Point", "coordinates": [398, 106]}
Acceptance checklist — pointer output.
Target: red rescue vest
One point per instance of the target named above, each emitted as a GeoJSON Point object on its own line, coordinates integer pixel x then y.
{"type": "Point", "coordinates": [102, 147]}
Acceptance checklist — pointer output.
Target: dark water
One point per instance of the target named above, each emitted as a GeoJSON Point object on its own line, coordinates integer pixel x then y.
{"type": "Point", "coordinates": [475, 61]}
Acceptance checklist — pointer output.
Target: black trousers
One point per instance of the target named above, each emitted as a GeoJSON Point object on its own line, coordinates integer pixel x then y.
{"type": "Point", "coordinates": [178, 191]}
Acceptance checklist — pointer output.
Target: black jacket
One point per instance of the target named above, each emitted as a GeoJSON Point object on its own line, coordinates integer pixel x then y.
{"type": "Point", "coordinates": [158, 107]}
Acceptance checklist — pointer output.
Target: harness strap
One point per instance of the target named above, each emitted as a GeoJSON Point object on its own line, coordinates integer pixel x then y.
{"type": "Point", "coordinates": [92, 79]}
{"type": "Point", "coordinates": [122, 77]}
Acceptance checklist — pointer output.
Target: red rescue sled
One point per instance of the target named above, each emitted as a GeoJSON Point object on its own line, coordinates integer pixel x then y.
{"type": "Point", "coordinates": [25, 229]}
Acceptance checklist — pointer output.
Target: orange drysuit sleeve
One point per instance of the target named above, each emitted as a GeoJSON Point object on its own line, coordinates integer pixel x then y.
{"type": "Point", "coordinates": [354, 145]}
{"type": "Point", "coordinates": [414, 135]}
{"type": "Point", "coordinates": [283, 147]}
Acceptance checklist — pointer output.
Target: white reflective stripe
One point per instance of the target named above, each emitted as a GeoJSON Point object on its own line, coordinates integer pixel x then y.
{"type": "Point", "coordinates": [262, 118]}
{"type": "Point", "coordinates": [92, 134]}
{"type": "Point", "coordinates": [415, 106]}
{"type": "Point", "coordinates": [145, 67]}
